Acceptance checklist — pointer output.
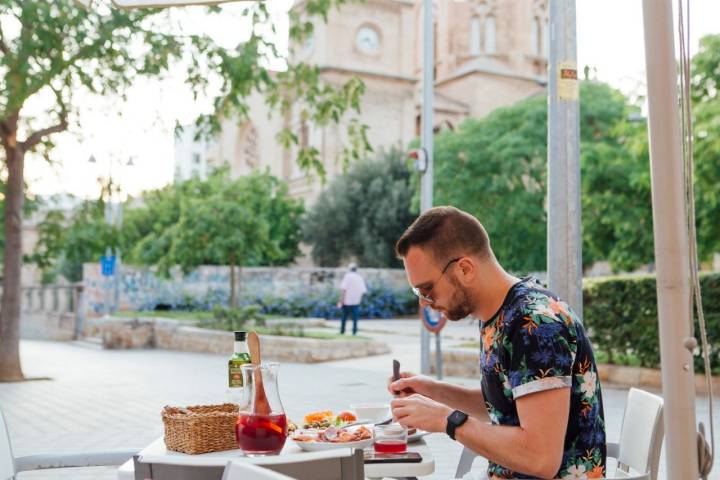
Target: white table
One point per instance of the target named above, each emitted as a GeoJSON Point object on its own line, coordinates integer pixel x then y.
{"type": "Point", "coordinates": [291, 453]}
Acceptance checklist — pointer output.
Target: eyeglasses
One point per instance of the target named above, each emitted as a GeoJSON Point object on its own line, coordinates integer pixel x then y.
{"type": "Point", "coordinates": [426, 296]}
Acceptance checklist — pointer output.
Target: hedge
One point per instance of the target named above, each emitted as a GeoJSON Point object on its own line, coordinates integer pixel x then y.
{"type": "Point", "coordinates": [379, 302]}
{"type": "Point", "coordinates": [620, 314]}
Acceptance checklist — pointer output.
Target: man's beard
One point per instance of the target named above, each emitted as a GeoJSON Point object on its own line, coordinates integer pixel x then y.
{"type": "Point", "coordinates": [461, 305]}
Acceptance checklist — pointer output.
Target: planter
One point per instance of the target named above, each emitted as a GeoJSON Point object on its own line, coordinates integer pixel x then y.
{"type": "Point", "coordinates": [166, 334]}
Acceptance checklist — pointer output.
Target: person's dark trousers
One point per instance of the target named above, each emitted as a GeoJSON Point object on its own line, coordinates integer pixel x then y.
{"type": "Point", "coordinates": [353, 310]}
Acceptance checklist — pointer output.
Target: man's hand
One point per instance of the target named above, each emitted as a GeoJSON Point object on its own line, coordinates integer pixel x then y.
{"type": "Point", "coordinates": [420, 412]}
{"type": "Point", "coordinates": [339, 304]}
{"type": "Point", "coordinates": [410, 383]}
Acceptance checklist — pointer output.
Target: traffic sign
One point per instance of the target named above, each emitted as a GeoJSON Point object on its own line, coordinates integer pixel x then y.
{"type": "Point", "coordinates": [433, 321]}
{"type": "Point", "coordinates": [107, 265]}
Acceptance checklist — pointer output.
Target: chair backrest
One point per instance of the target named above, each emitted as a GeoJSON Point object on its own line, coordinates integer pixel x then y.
{"type": "Point", "coordinates": [7, 461]}
{"type": "Point", "coordinates": [245, 471]}
{"type": "Point", "coordinates": [641, 435]}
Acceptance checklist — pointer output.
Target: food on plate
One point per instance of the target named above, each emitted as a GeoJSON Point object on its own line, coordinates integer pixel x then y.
{"type": "Point", "coordinates": [292, 426]}
{"type": "Point", "coordinates": [334, 435]}
{"type": "Point", "coordinates": [347, 416]}
{"type": "Point", "coordinates": [326, 418]}
{"type": "Point", "coordinates": [322, 419]}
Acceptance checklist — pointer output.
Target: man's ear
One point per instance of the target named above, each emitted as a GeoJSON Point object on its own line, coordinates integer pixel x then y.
{"type": "Point", "coordinates": [467, 267]}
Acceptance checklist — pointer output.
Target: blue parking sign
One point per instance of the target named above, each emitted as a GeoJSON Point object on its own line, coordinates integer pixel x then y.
{"type": "Point", "coordinates": [107, 265]}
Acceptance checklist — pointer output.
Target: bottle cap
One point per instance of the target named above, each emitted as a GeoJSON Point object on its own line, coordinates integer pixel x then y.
{"type": "Point", "coordinates": [240, 336]}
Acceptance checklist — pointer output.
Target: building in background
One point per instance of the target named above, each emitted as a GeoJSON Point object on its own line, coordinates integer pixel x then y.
{"type": "Point", "coordinates": [489, 54]}
{"type": "Point", "coordinates": [190, 155]}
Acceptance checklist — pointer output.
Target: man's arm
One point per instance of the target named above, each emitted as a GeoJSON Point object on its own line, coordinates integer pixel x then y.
{"type": "Point", "coordinates": [469, 400]}
{"type": "Point", "coordinates": [533, 448]}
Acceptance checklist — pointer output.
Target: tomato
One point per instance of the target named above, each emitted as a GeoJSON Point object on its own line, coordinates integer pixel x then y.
{"type": "Point", "coordinates": [347, 416]}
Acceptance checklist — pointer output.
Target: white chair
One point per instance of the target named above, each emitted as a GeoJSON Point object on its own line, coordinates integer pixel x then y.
{"type": "Point", "coordinates": [638, 450]}
{"type": "Point", "coordinates": [246, 471]}
{"type": "Point", "coordinates": [10, 465]}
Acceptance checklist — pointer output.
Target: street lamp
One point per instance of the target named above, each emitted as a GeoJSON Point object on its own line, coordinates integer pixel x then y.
{"type": "Point", "coordinates": [110, 264]}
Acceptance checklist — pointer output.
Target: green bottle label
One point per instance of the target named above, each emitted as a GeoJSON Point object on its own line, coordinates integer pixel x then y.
{"type": "Point", "coordinates": [235, 377]}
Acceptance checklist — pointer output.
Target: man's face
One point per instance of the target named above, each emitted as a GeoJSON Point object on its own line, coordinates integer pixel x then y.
{"type": "Point", "coordinates": [447, 291]}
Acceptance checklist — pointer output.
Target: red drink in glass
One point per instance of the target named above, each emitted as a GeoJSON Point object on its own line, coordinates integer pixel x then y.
{"type": "Point", "coordinates": [261, 434]}
{"type": "Point", "coordinates": [390, 446]}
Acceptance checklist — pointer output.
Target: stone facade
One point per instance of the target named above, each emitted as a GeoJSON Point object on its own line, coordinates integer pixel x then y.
{"type": "Point", "coordinates": [138, 288]}
{"type": "Point", "coordinates": [488, 54]}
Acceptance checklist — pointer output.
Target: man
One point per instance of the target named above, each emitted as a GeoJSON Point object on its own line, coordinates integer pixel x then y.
{"type": "Point", "coordinates": [352, 290]}
{"type": "Point", "coordinates": [539, 411]}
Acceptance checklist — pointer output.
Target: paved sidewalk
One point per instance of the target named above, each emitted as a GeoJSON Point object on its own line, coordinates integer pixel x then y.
{"type": "Point", "coordinates": [99, 399]}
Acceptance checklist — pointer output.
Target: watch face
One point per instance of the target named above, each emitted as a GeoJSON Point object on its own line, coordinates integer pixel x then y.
{"type": "Point", "coordinates": [367, 40]}
{"type": "Point", "coordinates": [457, 417]}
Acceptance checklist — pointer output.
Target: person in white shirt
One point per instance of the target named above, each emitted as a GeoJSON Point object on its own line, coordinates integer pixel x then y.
{"type": "Point", "coordinates": [352, 289]}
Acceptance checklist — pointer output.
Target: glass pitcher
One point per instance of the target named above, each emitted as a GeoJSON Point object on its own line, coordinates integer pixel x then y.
{"type": "Point", "coordinates": [261, 428]}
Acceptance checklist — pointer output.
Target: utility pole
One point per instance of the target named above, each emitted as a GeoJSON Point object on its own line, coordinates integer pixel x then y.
{"type": "Point", "coordinates": [670, 230]}
{"type": "Point", "coordinates": [564, 241]}
{"type": "Point", "coordinates": [426, 183]}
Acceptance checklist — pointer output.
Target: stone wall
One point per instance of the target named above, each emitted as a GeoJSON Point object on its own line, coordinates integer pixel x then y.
{"type": "Point", "coordinates": [139, 288]}
{"type": "Point", "coordinates": [48, 312]}
{"type": "Point", "coordinates": [150, 332]}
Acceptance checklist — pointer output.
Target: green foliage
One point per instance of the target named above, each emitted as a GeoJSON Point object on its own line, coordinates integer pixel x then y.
{"type": "Point", "coordinates": [362, 213]}
{"type": "Point", "coordinates": [249, 221]}
{"type": "Point", "coordinates": [505, 156]}
{"type": "Point", "coordinates": [495, 168]}
{"type": "Point", "coordinates": [706, 113]}
{"type": "Point", "coordinates": [238, 318]}
{"type": "Point", "coordinates": [616, 200]}
{"type": "Point", "coordinates": [620, 314]}
{"type": "Point", "coordinates": [64, 244]}
{"type": "Point", "coordinates": [63, 48]}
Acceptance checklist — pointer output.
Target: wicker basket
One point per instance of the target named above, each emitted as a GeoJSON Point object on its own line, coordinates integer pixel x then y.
{"type": "Point", "coordinates": [200, 429]}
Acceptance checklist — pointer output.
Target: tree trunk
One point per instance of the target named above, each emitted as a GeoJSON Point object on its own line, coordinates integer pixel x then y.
{"type": "Point", "coordinates": [233, 298]}
{"type": "Point", "coordinates": [10, 306]}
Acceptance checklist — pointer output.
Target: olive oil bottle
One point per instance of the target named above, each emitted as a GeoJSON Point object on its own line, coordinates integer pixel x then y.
{"type": "Point", "coordinates": [240, 357]}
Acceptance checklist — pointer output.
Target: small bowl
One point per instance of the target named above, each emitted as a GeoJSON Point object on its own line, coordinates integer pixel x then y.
{"type": "Point", "coordinates": [374, 412]}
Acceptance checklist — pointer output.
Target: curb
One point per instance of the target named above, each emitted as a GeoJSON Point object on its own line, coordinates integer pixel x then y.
{"type": "Point", "coordinates": [461, 362]}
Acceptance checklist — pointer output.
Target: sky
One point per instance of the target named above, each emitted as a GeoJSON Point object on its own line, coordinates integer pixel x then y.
{"type": "Point", "coordinates": [609, 36]}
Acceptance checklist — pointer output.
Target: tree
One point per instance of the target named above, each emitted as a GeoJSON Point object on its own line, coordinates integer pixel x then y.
{"type": "Point", "coordinates": [362, 213]}
{"type": "Point", "coordinates": [66, 242]}
{"type": "Point", "coordinates": [244, 222]}
{"type": "Point", "coordinates": [706, 118]}
{"type": "Point", "coordinates": [496, 169]}
{"type": "Point", "coordinates": [52, 50]}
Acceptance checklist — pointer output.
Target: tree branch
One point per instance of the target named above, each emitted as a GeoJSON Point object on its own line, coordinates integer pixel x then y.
{"type": "Point", "coordinates": [3, 46]}
{"type": "Point", "coordinates": [38, 135]}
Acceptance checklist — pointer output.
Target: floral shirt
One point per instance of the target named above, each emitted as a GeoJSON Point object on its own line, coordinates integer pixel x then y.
{"type": "Point", "coordinates": [534, 343]}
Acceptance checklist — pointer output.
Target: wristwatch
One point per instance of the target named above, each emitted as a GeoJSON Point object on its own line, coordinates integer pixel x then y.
{"type": "Point", "coordinates": [454, 420]}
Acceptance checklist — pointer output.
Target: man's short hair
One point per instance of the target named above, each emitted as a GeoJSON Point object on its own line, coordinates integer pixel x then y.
{"type": "Point", "coordinates": [352, 267]}
{"type": "Point", "coordinates": [447, 233]}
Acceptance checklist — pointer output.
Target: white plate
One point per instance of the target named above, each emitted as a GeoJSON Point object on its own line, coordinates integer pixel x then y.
{"type": "Point", "coordinates": [318, 446]}
{"type": "Point", "coordinates": [416, 436]}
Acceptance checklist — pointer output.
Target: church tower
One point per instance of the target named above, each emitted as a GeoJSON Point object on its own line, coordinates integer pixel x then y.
{"type": "Point", "coordinates": [488, 54]}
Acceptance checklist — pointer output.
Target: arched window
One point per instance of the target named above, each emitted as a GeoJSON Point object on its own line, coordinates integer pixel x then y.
{"type": "Point", "coordinates": [246, 148]}
{"type": "Point", "coordinates": [475, 36]}
{"type": "Point", "coordinates": [489, 42]}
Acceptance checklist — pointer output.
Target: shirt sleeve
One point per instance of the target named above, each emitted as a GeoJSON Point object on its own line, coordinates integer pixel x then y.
{"type": "Point", "coordinates": [344, 283]}
{"type": "Point", "coordinates": [542, 350]}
